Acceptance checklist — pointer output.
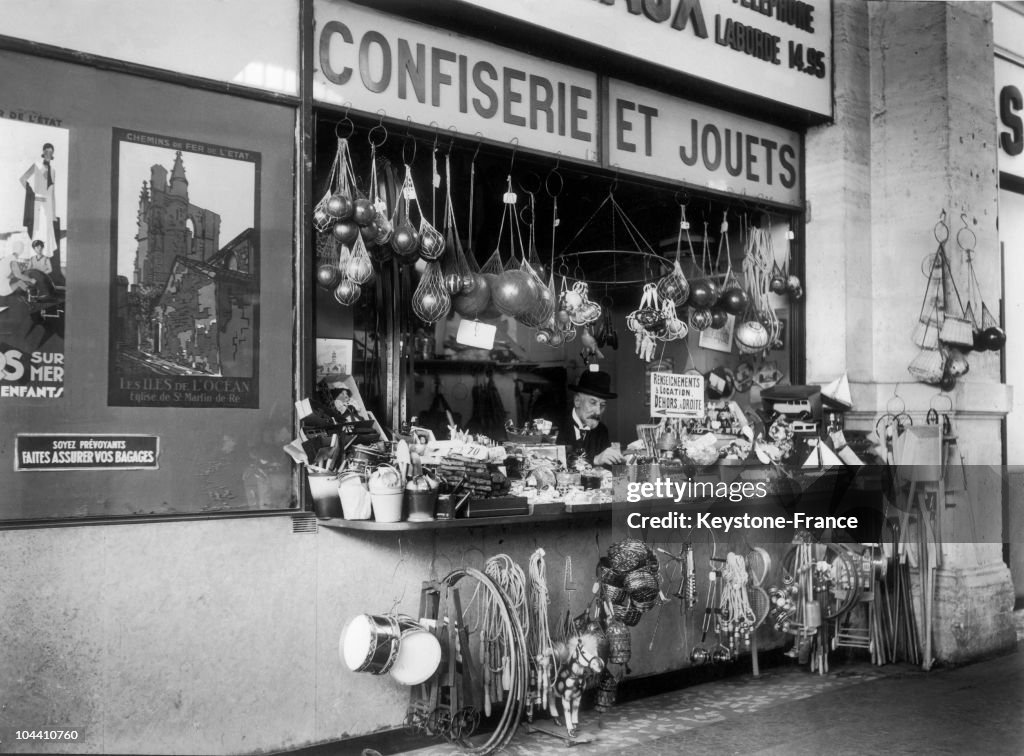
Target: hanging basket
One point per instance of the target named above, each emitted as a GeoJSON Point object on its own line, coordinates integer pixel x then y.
{"type": "Point", "coordinates": [620, 646]}
{"type": "Point", "coordinates": [957, 331]}
{"type": "Point", "coordinates": [627, 555]}
{"type": "Point", "coordinates": [642, 585]}
{"type": "Point", "coordinates": [928, 366]}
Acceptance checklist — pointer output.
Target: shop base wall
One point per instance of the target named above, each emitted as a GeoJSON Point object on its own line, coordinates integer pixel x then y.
{"type": "Point", "coordinates": [221, 636]}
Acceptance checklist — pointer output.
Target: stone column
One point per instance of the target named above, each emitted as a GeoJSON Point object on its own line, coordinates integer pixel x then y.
{"type": "Point", "coordinates": [914, 134]}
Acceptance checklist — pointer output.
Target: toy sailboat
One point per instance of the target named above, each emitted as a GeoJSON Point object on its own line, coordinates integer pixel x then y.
{"type": "Point", "coordinates": [837, 393]}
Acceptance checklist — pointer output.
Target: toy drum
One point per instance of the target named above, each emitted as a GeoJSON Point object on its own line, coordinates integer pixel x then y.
{"type": "Point", "coordinates": [419, 655]}
{"type": "Point", "coordinates": [370, 642]}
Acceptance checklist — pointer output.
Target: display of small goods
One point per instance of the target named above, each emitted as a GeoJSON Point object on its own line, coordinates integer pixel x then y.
{"type": "Point", "coordinates": [505, 643]}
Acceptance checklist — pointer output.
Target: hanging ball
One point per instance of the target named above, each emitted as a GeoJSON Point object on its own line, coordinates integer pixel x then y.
{"type": "Point", "coordinates": [359, 269]}
{"type": "Point", "coordinates": [734, 300]}
{"type": "Point", "coordinates": [794, 287]}
{"type": "Point", "coordinates": [557, 338]}
{"type": "Point", "coordinates": [363, 212]}
{"type": "Point", "coordinates": [406, 243]}
{"type": "Point", "coordinates": [701, 293]}
{"type": "Point", "coordinates": [958, 364]}
{"type": "Point", "coordinates": [674, 288]}
{"type": "Point", "coordinates": [347, 292]}
{"type": "Point", "coordinates": [563, 317]}
{"type": "Point", "coordinates": [339, 206]}
{"type": "Point", "coordinates": [431, 246]}
{"type": "Point", "coordinates": [328, 275]}
{"type": "Point", "coordinates": [752, 334]}
{"type": "Point", "coordinates": [948, 381]}
{"type": "Point", "coordinates": [511, 293]}
{"type": "Point", "coordinates": [468, 283]}
{"type": "Point", "coordinates": [369, 232]}
{"type": "Point", "coordinates": [346, 231]}
{"type": "Point", "coordinates": [543, 336]}
{"type": "Point", "coordinates": [700, 318]}
{"type": "Point", "coordinates": [321, 218]}
{"type": "Point", "coordinates": [719, 317]}
{"type": "Point", "coordinates": [778, 284]}
{"type": "Point", "coordinates": [473, 303]}
{"type": "Point", "coordinates": [453, 283]}
{"type": "Point", "coordinates": [994, 338]}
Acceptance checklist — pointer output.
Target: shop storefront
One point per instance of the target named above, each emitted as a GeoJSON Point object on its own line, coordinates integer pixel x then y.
{"type": "Point", "coordinates": [330, 297]}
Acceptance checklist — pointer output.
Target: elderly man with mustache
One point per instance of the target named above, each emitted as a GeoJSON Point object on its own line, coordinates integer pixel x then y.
{"type": "Point", "coordinates": [582, 432]}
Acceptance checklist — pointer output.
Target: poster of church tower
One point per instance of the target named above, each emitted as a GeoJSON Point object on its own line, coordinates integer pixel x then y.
{"type": "Point", "coordinates": [184, 321]}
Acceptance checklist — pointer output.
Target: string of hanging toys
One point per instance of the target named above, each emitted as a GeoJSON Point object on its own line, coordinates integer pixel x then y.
{"type": "Point", "coordinates": [357, 233]}
{"type": "Point", "coordinates": [948, 328]}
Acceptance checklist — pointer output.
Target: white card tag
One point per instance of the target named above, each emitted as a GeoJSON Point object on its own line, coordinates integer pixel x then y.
{"type": "Point", "coordinates": [510, 198]}
{"type": "Point", "coordinates": [409, 192]}
{"type": "Point", "coordinates": [476, 334]}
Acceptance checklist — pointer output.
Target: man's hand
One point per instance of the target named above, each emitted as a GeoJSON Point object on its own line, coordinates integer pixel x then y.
{"type": "Point", "coordinates": [610, 456]}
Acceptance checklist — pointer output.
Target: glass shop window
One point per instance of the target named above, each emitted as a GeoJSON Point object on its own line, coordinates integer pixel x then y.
{"type": "Point", "coordinates": [568, 264]}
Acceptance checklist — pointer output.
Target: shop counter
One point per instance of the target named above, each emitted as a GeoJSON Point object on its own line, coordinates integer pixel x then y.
{"type": "Point", "coordinates": [830, 491]}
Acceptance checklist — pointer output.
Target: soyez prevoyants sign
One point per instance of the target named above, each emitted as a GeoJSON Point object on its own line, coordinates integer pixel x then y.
{"type": "Point", "coordinates": [69, 451]}
{"type": "Point", "coordinates": [677, 395]}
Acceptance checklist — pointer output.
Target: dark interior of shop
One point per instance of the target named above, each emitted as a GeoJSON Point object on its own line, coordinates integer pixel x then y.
{"type": "Point", "coordinates": [567, 218]}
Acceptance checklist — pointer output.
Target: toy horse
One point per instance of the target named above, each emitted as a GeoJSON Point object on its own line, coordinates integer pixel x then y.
{"type": "Point", "coordinates": [582, 661]}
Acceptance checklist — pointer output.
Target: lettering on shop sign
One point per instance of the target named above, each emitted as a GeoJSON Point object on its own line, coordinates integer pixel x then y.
{"type": "Point", "coordinates": [375, 62]}
{"type": "Point", "coordinates": [742, 35]}
{"type": "Point", "coordinates": [661, 135]}
{"type": "Point", "coordinates": [518, 98]}
{"type": "Point", "coordinates": [40, 451]}
{"type": "Point", "coordinates": [1010, 104]}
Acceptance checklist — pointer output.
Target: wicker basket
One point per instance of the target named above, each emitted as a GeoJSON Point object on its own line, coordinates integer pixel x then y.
{"type": "Point", "coordinates": [607, 576]}
{"type": "Point", "coordinates": [642, 585]}
{"type": "Point", "coordinates": [607, 687]}
{"type": "Point", "coordinates": [645, 606]}
{"type": "Point", "coordinates": [627, 613]}
{"type": "Point", "coordinates": [620, 647]}
{"type": "Point", "coordinates": [625, 556]}
{"type": "Point", "coordinates": [613, 593]}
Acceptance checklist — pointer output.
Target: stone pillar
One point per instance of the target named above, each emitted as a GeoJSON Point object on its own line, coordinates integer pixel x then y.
{"type": "Point", "coordinates": [914, 134]}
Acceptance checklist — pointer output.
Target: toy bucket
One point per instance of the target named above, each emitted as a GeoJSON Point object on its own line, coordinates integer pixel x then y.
{"type": "Point", "coordinates": [387, 504]}
{"type": "Point", "coordinates": [324, 489]}
{"type": "Point", "coordinates": [422, 505]}
{"type": "Point", "coordinates": [355, 499]}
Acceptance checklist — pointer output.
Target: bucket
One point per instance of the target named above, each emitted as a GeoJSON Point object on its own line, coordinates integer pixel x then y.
{"type": "Point", "coordinates": [387, 504]}
{"type": "Point", "coordinates": [324, 489]}
{"type": "Point", "coordinates": [422, 505]}
{"type": "Point", "coordinates": [355, 499]}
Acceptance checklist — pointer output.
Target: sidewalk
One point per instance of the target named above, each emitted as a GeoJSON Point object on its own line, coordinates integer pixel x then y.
{"type": "Point", "coordinates": [855, 709]}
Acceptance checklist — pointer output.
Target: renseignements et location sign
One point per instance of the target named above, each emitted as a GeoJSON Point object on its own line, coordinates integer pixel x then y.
{"type": "Point", "coordinates": [677, 395]}
{"type": "Point", "coordinates": [73, 451]}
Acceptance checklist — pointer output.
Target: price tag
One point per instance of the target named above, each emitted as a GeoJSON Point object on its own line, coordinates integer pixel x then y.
{"type": "Point", "coordinates": [476, 334]}
{"type": "Point", "coordinates": [509, 198]}
{"type": "Point", "coordinates": [409, 192]}
{"type": "Point", "coordinates": [437, 179]}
